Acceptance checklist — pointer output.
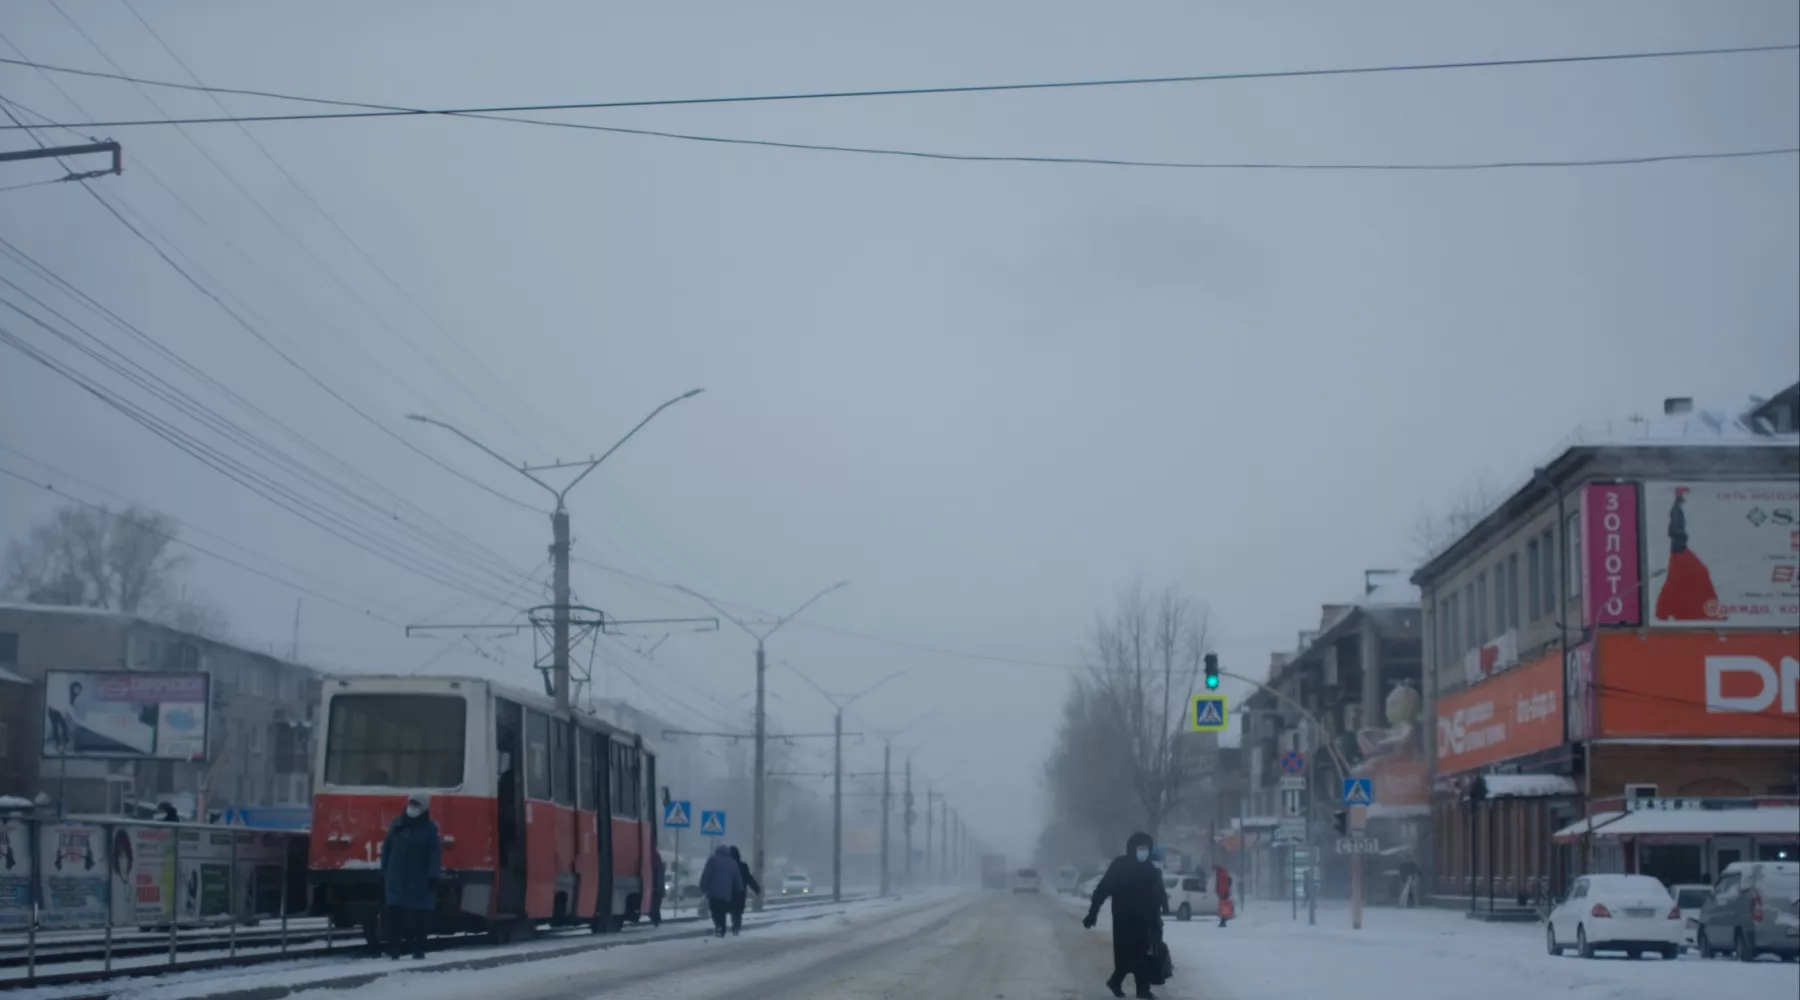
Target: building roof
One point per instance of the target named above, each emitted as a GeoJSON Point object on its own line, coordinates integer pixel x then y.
{"type": "Point", "coordinates": [124, 619]}
{"type": "Point", "coordinates": [1764, 822]}
{"type": "Point", "coordinates": [1701, 427]}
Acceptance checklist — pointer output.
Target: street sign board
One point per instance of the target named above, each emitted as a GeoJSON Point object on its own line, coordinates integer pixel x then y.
{"type": "Point", "coordinates": [1293, 802]}
{"type": "Point", "coordinates": [1292, 830]}
{"type": "Point", "coordinates": [1208, 713]}
{"type": "Point", "coordinates": [1293, 782]}
{"type": "Point", "coordinates": [1358, 845]}
{"type": "Point", "coordinates": [712, 824]}
{"type": "Point", "coordinates": [1293, 762]}
{"type": "Point", "coordinates": [1306, 855]}
{"type": "Point", "coordinates": [678, 815]}
{"type": "Point", "coordinates": [1359, 791]}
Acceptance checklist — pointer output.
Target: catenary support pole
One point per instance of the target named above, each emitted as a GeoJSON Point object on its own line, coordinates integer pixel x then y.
{"type": "Point", "coordinates": [559, 632]}
{"type": "Point", "coordinates": [758, 806]}
{"type": "Point", "coordinates": [887, 762]}
{"type": "Point", "coordinates": [837, 809]}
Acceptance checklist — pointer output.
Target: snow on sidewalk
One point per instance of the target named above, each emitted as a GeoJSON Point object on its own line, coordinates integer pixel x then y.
{"type": "Point", "coordinates": [1429, 954]}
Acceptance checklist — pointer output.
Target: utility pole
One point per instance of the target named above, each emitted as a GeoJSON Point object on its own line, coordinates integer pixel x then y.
{"type": "Point", "coordinates": [837, 811]}
{"type": "Point", "coordinates": [944, 843]}
{"type": "Point", "coordinates": [759, 806]}
{"type": "Point", "coordinates": [559, 541]}
{"type": "Point", "coordinates": [927, 866]}
{"type": "Point", "coordinates": [908, 816]}
{"type": "Point", "coordinates": [887, 764]}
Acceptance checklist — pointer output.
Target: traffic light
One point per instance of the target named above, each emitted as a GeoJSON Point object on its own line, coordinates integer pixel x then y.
{"type": "Point", "coordinates": [1212, 671]}
{"type": "Point", "coordinates": [1341, 821]}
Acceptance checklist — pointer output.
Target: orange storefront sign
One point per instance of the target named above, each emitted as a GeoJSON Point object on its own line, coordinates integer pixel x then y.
{"type": "Point", "coordinates": [1510, 715]}
{"type": "Point", "coordinates": [1699, 685]}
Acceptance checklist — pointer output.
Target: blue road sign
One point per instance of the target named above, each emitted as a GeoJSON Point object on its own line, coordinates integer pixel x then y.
{"type": "Point", "coordinates": [1208, 713]}
{"type": "Point", "coordinates": [678, 815]}
{"type": "Point", "coordinates": [712, 824]}
{"type": "Point", "coordinates": [1359, 792]}
{"type": "Point", "coordinates": [1293, 762]}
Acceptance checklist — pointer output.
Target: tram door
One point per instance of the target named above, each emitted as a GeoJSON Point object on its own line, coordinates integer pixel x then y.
{"type": "Point", "coordinates": [601, 776]}
{"type": "Point", "coordinates": [509, 757]}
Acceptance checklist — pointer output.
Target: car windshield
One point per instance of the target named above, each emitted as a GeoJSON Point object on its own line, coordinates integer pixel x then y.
{"type": "Point", "coordinates": [1691, 899]}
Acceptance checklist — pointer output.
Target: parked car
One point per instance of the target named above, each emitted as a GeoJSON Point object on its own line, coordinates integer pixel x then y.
{"type": "Point", "coordinates": [1068, 879]}
{"type": "Point", "coordinates": [796, 884]}
{"type": "Point", "coordinates": [1689, 898]}
{"type": "Point", "coordinates": [1754, 909]}
{"type": "Point", "coordinates": [1191, 897]}
{"type": "Point", "coordinates": [1629, 913]}
{"type": "Point", "coordinates": [1025, 880]}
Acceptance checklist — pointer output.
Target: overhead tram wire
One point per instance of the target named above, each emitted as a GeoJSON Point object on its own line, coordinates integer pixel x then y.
{"type": "Point", "coordinates": [300, 244]}
{"type": "Point", "coordinates": [469, 548]}
{"type": "Point", "coordinates": [369, 110]}
{"type": "Point", "coordinates": [521, 399]}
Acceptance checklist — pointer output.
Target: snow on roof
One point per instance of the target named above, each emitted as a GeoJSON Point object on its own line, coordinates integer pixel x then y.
{"type": "Point", "coordinates": [1528, 786]}
{"type": "Point", "coordinates": [1391, 591]}
{"type": "Point", "coordinates": [14, 802]}
{"type": "Point", "coordinates": [1769, 821]}
{"type": "Point", "coordinates": [64, 609]}
{"type": "Point", "coordinates": [12, 678]}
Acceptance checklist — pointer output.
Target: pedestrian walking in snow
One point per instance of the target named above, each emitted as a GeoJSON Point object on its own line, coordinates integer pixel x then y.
{"type": "Point", "coordinates": [411, 858]}
{"type": "Point", "coordinates": [1222, 887]}
{"type": "Point", "coordinates": [743, 894]}
{"type": "Point", "coordinates": [657, 874]}
{"type": "Point", "coordinates": [721, 881]}
{"type": "Point", "coordinates": [1135, 887]}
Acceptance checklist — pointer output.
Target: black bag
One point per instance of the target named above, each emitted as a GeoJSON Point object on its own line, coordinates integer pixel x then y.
{"type": "Point", "coordinates": [1162, 965]}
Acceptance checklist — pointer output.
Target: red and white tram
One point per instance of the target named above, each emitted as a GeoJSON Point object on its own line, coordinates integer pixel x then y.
{"type": "Point", "coordinates": [546, 816]}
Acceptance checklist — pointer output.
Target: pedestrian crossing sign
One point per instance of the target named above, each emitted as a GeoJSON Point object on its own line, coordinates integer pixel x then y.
{"type": "Point", "coordinates": [678, 815]}
{"type": "Point", "coordinates": [1359, 792]}
{"type": "Point", "coordinates": [712, 824]}
{"type": "Point", "coordinates": [1208, 713]}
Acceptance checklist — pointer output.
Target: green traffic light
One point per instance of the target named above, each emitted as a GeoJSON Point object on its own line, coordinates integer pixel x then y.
{"type": "Point", "coordinates": [1212, 680]}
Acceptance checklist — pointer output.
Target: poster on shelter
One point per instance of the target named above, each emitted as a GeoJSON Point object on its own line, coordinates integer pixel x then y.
{"type": "Point", "coordinates": [131, 715]}
{"type": "Point", "coordinates": [15, 875]}
{"type": "Point", "coordinates": [143, 874]}
{"type": "Point", "coordinates": [72, 874]}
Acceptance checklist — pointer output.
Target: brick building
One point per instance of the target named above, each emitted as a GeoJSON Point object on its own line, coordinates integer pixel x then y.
{"type": "Point", "coordinates": [259, 731]}
{"type": "Point", "coordinates": [1624, 625]}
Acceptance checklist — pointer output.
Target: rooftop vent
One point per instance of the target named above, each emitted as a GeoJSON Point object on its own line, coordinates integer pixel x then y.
{"type": "Point", "coordinates": [1675, 406]}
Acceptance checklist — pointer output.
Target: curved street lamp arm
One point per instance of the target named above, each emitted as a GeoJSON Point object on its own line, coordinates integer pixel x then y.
{"type": "Point", "coordinates": [733, 619]}
{"type": "Point", "coordinates": [690, 394]}
{"type": "Point", "coordinates": [491, 452]}
{"type": "Point", "coordinates": [1324, 733]}
{"type": "Point", "coordinates": [807, 604]}
{"type": "Point", "coordinates": [872, 687]}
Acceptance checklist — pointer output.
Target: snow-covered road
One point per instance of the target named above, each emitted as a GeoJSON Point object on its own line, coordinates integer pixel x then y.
{"type": "Point", "coordinates": [968, 944]}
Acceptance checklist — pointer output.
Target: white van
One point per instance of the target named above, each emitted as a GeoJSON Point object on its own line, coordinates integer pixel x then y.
{"type": "Point", "coordinates": [1190, 896]}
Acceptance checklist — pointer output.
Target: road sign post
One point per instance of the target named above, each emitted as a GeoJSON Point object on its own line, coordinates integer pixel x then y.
{"type": "Point", "coordinates": [1359, 795]}
{"type": "Point", "coordinates": [678, 815]}
{"type": "Point", "coordinates": [712, 823]}
{"type": "Point", "coordinates": [1208, 713]}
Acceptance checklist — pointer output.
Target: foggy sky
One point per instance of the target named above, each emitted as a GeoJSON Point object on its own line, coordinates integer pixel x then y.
{"type": "Point", "coordinates": [989, 396]}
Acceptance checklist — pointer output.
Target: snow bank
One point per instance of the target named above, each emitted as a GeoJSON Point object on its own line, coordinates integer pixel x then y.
{"type": "Point", "coordinates": [1432, 955]}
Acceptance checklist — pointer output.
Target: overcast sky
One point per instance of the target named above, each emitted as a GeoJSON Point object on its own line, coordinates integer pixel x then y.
{"type": "Point", "coordinates": [987, 395]}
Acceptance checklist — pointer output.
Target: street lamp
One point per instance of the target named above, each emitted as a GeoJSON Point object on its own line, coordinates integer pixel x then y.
{"type": "Point", "coordinates": [759, 809]}
{"type": "Point", "coordinates": [559, 532]}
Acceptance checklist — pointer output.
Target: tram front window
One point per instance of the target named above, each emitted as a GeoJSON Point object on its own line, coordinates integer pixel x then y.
{"type": "Point", "coordinates": [410, 741]}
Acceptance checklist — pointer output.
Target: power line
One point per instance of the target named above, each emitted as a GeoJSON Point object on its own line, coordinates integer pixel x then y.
{"type": "Point", "coordinates": [385, 111]}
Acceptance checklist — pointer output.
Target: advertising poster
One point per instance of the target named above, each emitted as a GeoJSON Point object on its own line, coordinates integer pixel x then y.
{"type": "Point", "coordinates": [1699, 685]}
{"type": "Point", "coordinates": [130, 715]}
{"type": "Point", "coordinates": [143, 874]}
{"type": "Point", "coordinates": [1723, 554]}
{"type": "Point", "coordinates": [15, 875]}
{"type": "Point", "coordinates": [1611, 592]}
{"type": "Point", "coordinates": [1517, 713]}
{"type": "Point", "coordinates": [72, 876]}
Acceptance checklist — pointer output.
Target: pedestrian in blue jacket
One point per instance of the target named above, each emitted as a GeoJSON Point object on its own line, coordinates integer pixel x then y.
{"type": "Point", "coordinates": [411, 857]}
{"type": "Point", "coordinates": [722, 882]}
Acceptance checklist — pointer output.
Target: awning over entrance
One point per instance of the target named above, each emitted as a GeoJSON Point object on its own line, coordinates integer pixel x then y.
{"type": "Point", "coordinates": [1528, 786]}
{"type": "Point", "coordinates": [1575, 830]}
{"type": "Point", "coordinates": [1783, 821]}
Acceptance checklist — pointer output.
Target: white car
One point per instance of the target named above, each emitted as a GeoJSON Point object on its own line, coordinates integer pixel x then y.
{"type": "Point", "coordinates": [1190, 896]}
{"type": "Point", "coordinates": [796, 884]}
{"type": "Point", "coordinates": [1025, 880]}
{"type": "Point", "coordinates": [1629, 913]}
{"type": "Point", "coordinates": [1689, 898]}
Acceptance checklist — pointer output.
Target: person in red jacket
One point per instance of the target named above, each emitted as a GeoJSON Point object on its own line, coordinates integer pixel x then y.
{"type": "Point", "coordinates": [1222, 887]}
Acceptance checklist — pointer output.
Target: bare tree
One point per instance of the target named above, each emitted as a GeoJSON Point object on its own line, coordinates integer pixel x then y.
{"type": "Point", "coordinates": [1119, 759]}
{"type": "Point", "coordinates": [1432, 533]}
{"type": "Point", "coordinates": [92, 557]}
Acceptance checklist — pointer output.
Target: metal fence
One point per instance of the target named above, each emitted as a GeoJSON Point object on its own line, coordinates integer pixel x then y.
{"type": "Point", "coordinates": [134, 881]}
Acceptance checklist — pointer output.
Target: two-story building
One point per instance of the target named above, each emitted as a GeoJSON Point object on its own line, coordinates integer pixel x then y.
{"type": "Point", "coordinates": [109, 712]}
{"type": "Point", "coordinates": [1624, 624]}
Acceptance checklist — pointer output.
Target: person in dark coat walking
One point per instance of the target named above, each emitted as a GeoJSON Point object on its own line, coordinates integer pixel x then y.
{"type": "Point", "coordinates": [411, 858]}
{"type": "Point", "coordinates": [744, 890]}
{"type": "Point", "coordinates": [658, 873]}
{"type": "Point", "coordinates": [1135, 887]}
{"type": "Point", "coordinates": [722, 882]}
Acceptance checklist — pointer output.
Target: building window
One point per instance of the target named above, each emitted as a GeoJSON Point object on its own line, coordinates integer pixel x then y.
{"type": "Point", "coordinates": [537, 756]}
{"type": "Point", "coordinates": [9, 649]}
{"type": "Point", "coordinates": [1547, 547]}
{"type": "Point", "coordinates": [1453, 633]}
{"type": "Point", "coordinates": [1470, 628]}
{"type": "Point", "coordinates": [1481, 608]}
{"type": "Point", "coordinates": [1512, 591]}
{"type": "Point", "coordinates": [1572, 532]}
{"type": "Point", "coordinates": [1440, 629]}
{"type": "Point", "coordinates": [1533, 585]}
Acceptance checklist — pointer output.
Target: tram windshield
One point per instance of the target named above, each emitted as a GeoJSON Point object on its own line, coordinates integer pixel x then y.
{"type": "Point", "coordinates": [409, 741]}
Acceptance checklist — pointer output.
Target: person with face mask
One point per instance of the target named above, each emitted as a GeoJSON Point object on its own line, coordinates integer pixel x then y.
{"type": "Point", "coordinates": [1135, 887]}
{"type": "Point", "coordinates": [411, 858]}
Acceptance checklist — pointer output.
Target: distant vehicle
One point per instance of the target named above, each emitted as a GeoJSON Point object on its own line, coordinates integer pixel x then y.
{"type": "Point", "coordinates": [1689, 898]}
{"type": "Point", "coordinates": [1754, 909]}
{"type": "Point", "coordinates": [796, 884]}
{"type": "Point", "coordinates": [1629, 913]}
{"type": "Point", "coordinates": [1068, 877]}
{"type": "Point", "coordinates": [1025, 880]}
{"type": "Point", "coordinates": [993, 871]}
{"type": "Point", "coordinates": [1192, 897]}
